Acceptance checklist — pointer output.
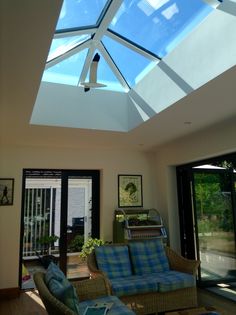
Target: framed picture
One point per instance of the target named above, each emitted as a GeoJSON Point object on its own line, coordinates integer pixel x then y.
{"type": "Point", "coordinates": [130, 191]}
{"type": "Point", "coordinates": [6, 191]}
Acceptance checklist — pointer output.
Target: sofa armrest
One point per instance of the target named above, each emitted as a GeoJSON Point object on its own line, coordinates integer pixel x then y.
{"type": "Point", "coordinates": [93, 268]}
{"type": "Point", "coordinates": [179, 263]}
{"type": "Point", "coordinates": [90, 289]}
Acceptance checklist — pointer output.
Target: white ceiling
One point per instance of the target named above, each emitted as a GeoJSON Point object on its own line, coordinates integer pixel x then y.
{"type": "Point", "coordinates": [27, 29]}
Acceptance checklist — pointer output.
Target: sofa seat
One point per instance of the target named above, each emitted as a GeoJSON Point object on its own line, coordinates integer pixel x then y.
{"type": "Point", "coordinates": [172, 280]}
{"type": "Point", "coordinates": [133, 285]}
{"type": "Point", "coordinates": [156, 282]}
{"type": "Point", "coordinates": [117, 307]}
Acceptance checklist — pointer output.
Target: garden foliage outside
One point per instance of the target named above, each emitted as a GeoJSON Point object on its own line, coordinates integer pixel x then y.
{"type": "Point", "coordinates": [214, 211]}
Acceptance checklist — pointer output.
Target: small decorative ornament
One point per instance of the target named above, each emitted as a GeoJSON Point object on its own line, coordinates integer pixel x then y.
{"type": "Point", "coordinates": [6, 191]}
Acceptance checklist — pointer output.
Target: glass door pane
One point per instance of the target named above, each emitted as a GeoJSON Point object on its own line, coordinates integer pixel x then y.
{"type": "Point", "coordinates": [41, 225]}
{"type": "Point", "coordinates": [215, 224]}
{"type": "Point", "coordinates": [79, 222]}
{"type": "Point", "coordinates": [60, 211]}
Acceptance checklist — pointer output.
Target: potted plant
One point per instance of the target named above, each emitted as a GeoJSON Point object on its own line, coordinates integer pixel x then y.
{"type": "Point", "coordinates": [89, 246]}
{"type": "Point", "coordinates": [76, 243]}
{"type": "Point", "coordinates": [46, 242]}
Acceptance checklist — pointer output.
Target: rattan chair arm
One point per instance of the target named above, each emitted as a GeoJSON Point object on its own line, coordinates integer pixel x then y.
{"type": "Point", "coordinates": [179, 263]}
{"type": "Point", "coordinates": [95, 272]}
{"type": "Point", "coordinates": [90, 289]}
{"type": "Point", "coordinates": [91, 263]}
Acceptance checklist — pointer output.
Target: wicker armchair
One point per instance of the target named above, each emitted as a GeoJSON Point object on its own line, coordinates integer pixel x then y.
{"type": "Point", "coordinates": [155, 302]}
{"type": "Point", "coordinates": [87, 290]}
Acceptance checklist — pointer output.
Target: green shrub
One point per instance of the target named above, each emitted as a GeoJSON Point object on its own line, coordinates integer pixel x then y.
{"type": "Point", "coordinates": [77, 243]}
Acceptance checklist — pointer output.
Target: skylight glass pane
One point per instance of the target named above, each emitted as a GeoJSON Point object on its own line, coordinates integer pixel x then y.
{"type": "Point", "coordinates": [132, 65]}
{"type": "Point", "coordinates": [79, 13]}
{"type": "Point", "coordinates": [60, 46]}
{"type": "Point", "coordinates": [67, 71]}
{"type": "Point", "coordinates": [106, 76]}
{"type": "Point", "coordinates": [158, 25]}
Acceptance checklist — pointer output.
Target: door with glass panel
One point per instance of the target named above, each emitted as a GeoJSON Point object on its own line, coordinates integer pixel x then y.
{"type": "Point", "coordinates": [80, 202]}
{"type": "Point", "coordinates": [215, 230]}
{"type": "Point", "coordinates": [60, 210]}
{"type": "Point", "coordinates": [208, 218]}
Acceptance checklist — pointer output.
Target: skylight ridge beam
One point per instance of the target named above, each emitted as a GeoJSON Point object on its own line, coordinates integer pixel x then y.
{"type": "Point", "coordinates": [131, 45]}
{"type": "Point", "coordinates": [113, 67]}
{"type": "Point", "coordinates": [68, 54]}
{"type": "Point", "coordinates": [87, 63]}
{"type": "Point", "coordinates": [75, 32]}
{"type": "Point", "coordinates": [103, 13]}
{"type": "Point", "coordinates": [74, 29]}
{"type": "Point", "coordinates": [107, 18]}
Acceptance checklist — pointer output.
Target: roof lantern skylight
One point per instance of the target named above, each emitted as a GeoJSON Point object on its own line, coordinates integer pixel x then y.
{"type": "Point", "coordinates": [131, 37]}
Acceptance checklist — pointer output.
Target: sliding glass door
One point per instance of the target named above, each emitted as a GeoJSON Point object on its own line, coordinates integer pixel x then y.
{"type": "Point", "coordinates": [207, 217]}
{"type": "Point", "coordinates": [214, 224]}
{"type": "Point", "coordinates": [60, 210]}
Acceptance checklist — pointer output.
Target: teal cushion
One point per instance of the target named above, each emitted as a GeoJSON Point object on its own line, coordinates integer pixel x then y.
{"type": "Point", "coordinates": [114, 260]}
{"type": "Point", "coordinates": [53, 271]}
{"type": "Point", "coordinates": [148, 257]}
{"type": "Point", "coordinates": [61, 288]}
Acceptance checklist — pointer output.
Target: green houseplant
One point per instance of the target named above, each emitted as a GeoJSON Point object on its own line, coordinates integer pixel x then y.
{"type": "Point", "coordinates": [89, 246]}
{"type": "Point", "coordinates": [76, 243]}
{"type": "Point", "coordinates": [46, 242]}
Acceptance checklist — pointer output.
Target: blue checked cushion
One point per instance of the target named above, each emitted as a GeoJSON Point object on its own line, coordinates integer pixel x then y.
{"type": "Point", "coordinates": [133, 285]}
{"type": "Point", "coordinates": [173, 280]}
{"type": "Point", "coordinates": [148, 257]}
{"type": "Point", "coordinates": [117, 307]}
{"type": "Point", "coordinates": [113, 260]}
{"type": "Point", "coordinates": [61, 288]}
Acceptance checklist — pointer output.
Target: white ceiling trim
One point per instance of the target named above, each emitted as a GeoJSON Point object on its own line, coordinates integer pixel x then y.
{"type": "Point", "coordinates": [228, 7]}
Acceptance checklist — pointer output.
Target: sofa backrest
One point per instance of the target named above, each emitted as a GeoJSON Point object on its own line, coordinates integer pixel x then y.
{"type": "Point", "coordinates": [148, 256]}
{"type": "Point", "coordinates": [114, 260]}
{"type": "Point", "coordinates": [137, 257]}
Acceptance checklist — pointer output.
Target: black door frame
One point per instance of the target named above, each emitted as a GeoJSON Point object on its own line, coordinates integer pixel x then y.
{"type": "Point", "coordinates": [95, 175]}
{"type": "Point", "coordinates": [63, 174]}
{"type": "Point", "coordinates": [186, 204]}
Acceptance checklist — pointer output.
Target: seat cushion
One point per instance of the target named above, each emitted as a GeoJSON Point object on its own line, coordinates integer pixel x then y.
{"type": "Point", "coordinates": [114, 260]}
{"type": "Point", "coordinates": [117, 307]}
{"type": "Point", "coordinates": [148, 257]}
{"type": "Point", "coordinates": [133, 285]}
{"type": "Point", "coordinates": [173, 280]}
{"type": "Point", "coordinates": [61, 288]}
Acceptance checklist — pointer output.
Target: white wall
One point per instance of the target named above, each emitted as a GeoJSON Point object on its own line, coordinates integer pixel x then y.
{"type": "Point", "coordinates": [110, 162]}
{"type": "Point", "coordinates": [214, 141]}
{"type": "Point", "coordinates": [159, 181]}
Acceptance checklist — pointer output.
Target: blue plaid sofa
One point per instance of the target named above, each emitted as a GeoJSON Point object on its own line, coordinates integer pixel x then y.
{"type": "Point", "coordinates": [62, 297]}
{"type": "Point", "coordinates": [146, 275]}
